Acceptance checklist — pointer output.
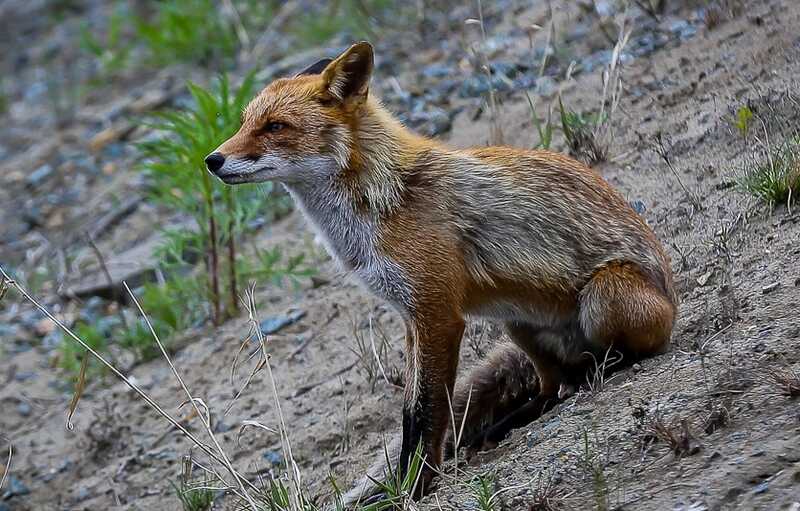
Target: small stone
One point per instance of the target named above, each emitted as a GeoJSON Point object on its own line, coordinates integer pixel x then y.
{"type": "Point", "coordinates": [38, 176]}
{"type": "Point", "coordinates": [770, 288]}
{"type": "Point", "coordinates": [638, 206]}
{"type": "Point", "coordinates": [275, 323]}
{"type": "Point", "coordinates": [43, 327]}
{"type": "Point", "coordinates": [273, 457]}
{"type": "Point", "coordinates": [23, 408]}
{"type": "Point", "coordinates": [702, 280]}
{"type": "Point", "coordinates": [16, 488]}
{"type": "Point", "coordinates": [637, 368]}
{"type": "Point", "coordinates": [761, 488]}
{"type": "Point", "coordinates": [797, 281]}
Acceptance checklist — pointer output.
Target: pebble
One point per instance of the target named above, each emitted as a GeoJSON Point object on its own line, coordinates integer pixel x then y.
{"type": "Point", "coordinates": [38, 176]}
{"type": "Point", "coordinates": [770, 288]}
{"type": "Point", "coordinates": [23, 408]}
{"type": "Point", "coordinates": [761, 488]}
{"type": "Point", "coordinates": [15, 488]}
{"type": "Point", "coordinates": [274, 457]}
{"type": "Point", "coordinates": [274, 324]}
{"type": "Point", "coordinates": [638, 206]}
{"type": "Point", "coordinates": [637, 368]}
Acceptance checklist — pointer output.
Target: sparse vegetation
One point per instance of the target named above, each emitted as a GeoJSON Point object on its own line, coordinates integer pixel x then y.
{"type": "Point", "coordinates": [484, 490]}
{"type": "Point", "coordinates": [194, 496]}
{"type": "Point", "coordinates": [594, 464]}
{"type": "Point", "coordinates": [677, 435]}
{"type": "Point", "coordinates": [785, 381]}
{"type": "Point", "coordinates": [742, 120]}
{"type": "Point", "coordinates": [580, 133]}
{"type": "Point", "coordinates": [176, 169]}
{"type": "Point", "coordinates": [774, 178]}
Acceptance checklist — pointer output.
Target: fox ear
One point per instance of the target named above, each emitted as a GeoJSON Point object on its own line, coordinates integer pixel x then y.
{"type": "Point", "coordinates": [315, 68]}
{"type": "Point", "coordinates": [347, 77]}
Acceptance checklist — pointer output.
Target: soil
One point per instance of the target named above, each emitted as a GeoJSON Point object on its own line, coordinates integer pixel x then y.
{"type": "Point", "coordinates": [735, 262]}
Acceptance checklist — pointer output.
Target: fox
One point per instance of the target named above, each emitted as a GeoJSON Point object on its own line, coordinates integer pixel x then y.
{"type": "Point", "coordinates": [531, 239]}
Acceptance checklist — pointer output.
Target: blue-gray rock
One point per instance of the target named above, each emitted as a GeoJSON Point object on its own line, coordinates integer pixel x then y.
{"type": "Point", "coordinates": [274, 457]}
{"type": "Point", "coordinates": [638, 206]}
{"type": "Point", "coordinates": [16, 488]}
{"type": "Point", "coordinates": [23, 408]}
{"type": "Point", "coordinates": [274, 324]}
{"type": "Point", "coordinates": [38, 176]}
{"type": "Point", "coordinates": [762, 488]}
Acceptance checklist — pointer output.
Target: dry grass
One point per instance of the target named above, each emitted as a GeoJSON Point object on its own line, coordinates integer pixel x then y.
{"type": "Point", "coordinates": [677, 435]}
{"type": "Point", "coordinates": [784, 381]}
{"type": "Point", "coordinates": [7, 469]}
{"type": "Point", "coordinates": [546, 495]}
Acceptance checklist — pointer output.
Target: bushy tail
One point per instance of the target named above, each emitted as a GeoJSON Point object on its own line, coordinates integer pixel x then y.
{"type": "Point", "coordinates": [495, 387]}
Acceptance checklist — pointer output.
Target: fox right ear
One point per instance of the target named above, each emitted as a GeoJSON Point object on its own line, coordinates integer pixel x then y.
{"type": "Point", "coordinates": [347, 77]}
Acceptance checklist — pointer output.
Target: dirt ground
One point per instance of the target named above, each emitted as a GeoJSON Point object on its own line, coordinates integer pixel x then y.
{"type": "Point", "coordinates": [736, 268]}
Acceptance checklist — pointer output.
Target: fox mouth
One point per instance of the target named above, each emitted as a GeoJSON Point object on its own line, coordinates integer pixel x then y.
{"type": "Point", "coordinates": [260, 175]}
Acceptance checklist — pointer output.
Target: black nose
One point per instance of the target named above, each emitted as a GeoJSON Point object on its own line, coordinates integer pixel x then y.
{"type": "Point", "coordinates": [214, 161]}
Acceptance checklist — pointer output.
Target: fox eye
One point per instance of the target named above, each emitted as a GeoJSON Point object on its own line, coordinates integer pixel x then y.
{"type": "Point", "coordinates": [272, 127]}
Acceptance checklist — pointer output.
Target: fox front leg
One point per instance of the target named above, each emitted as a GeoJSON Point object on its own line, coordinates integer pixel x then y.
{"type": "Point", "coordinates": [432, 348]}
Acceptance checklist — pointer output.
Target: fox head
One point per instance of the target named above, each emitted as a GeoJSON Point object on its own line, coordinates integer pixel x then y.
{"type": "Point", "coordinates": [299, 129]}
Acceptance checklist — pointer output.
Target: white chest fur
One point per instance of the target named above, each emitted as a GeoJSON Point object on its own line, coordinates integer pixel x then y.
{"type": "Point", "coordinates": [351, 237]}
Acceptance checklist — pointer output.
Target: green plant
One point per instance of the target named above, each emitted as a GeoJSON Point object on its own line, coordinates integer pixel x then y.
{"type": "Point", "coordinates": [545, 130]}
{"type": "Point", "coordinates": [178, 177]}
{"type": "Point", "coordinates": [580, 133]}
{"type": "Point", "coordinates": [483, 489]}
{"type": "Point", "coordinates": [194, 496]}
{"type": "Point", "coordinates": [398, 490]}
{"type": "Point", "coordinates": [71, 354]}
{"type": "Point", "coordinates": [776, 179]}
{"type": "Point", "coordinates": [594, 466]}
{"type": "Point", "coordinates": [275, 497]}
{"type": "Point", "coordinates": [3, 101]}
{"type": "Point", "coordinates": [267, 267]}
{"type": "Point", "coordinates": [188, 31]}
{"type": "Point", "coordinates": [742, 120]}
{"type": "Point", "coordinates": [171, 307]}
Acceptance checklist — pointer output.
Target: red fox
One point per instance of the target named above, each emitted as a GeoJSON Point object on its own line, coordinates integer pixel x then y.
{"type": "Point", "coordinates": [532, 239]}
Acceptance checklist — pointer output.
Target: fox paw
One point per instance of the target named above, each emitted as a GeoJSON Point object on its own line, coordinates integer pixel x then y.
{"type": "Point", "coordinates": [566, 390]}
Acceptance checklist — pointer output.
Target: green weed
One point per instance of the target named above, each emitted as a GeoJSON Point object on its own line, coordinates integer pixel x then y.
{"type": "Point", "coordinates": [179, 180]}
{"type": "Point", "coordinates": [171, 308]}
{"type": "Point", "coordinates": [267, 266]}
{"type": "Point", "coordinates": [483, 490]}
{"type": "Point", "coordinates": [776, 178]}
{"type": "Point", "coordinates": [742, 120]}
{"type": "Point", "coordinates": [544, 127]}
{"type": "Point", "coordinates": [188, 31]}
{"type": "Point", "coordinates": [71, 354]}
{"type": "Point", "coordinates": [594, 465]}
{"type": "Point", "coordinates": [580, 132]}
{"type": "Point", "coordinates": [194, 497]}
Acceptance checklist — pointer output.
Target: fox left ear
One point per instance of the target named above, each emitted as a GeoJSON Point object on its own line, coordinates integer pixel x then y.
{"type": "Point", "coordinates": [347, 77]}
